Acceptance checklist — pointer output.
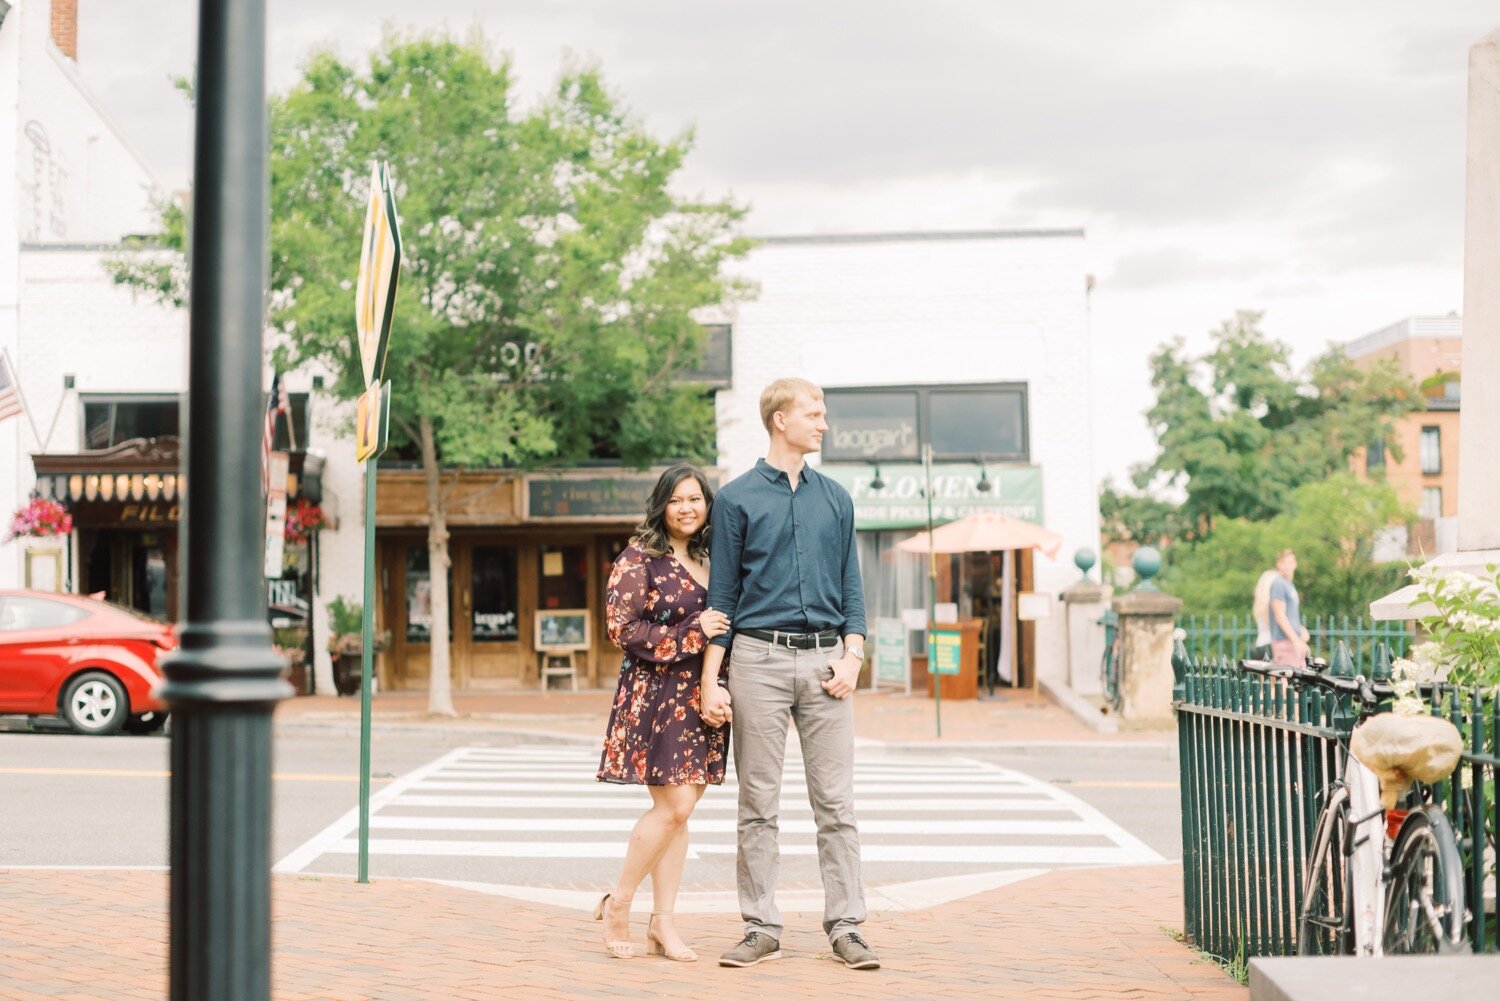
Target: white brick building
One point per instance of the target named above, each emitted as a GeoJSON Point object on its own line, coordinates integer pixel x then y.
{"type": "Point", "coordinates": [923, 311]}
{"type": "Point", "coordinates": [73, 181]}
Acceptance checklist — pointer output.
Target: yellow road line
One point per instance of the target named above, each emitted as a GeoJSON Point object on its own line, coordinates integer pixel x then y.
{"type": "Point", "coordinates": [124, 773]}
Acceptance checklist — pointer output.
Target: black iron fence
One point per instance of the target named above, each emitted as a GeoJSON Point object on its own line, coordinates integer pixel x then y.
{"type": "Point", "coordinates": [1233, 636]}
{"type": "Point", "coordinates": [1255, 755]}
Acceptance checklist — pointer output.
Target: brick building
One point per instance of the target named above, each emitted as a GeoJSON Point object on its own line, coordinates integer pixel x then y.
{"type": "Point", "coordinates": [1428, 349]}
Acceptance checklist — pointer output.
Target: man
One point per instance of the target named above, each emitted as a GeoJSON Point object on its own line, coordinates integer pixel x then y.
{"type": "Point", "coordinates": [785, 571]}
{"type": "Point", "coordinates": [1288, 636]}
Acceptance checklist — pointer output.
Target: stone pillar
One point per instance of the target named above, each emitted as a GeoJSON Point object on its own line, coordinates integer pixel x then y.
{"type": "Point", "coordinates": [1085, 604]}
{"type": "Point", "coordinates": [1479, 486]}
{"type": "Point", "coordinates": [1479, 491]}
{"type": "Point", "coordinates": [1147, 621]}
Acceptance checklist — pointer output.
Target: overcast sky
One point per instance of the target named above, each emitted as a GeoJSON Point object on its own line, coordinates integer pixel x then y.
{"type": "Point", "coordinates": [1306, 159]}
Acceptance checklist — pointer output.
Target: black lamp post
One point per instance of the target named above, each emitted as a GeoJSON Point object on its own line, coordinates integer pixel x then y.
{"type": "Point", "coordinates": [224, 680]}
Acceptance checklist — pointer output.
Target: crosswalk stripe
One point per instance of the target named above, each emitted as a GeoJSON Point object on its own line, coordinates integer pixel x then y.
{"type": "Point", "coordinates": [726, 800]}
{"type": "Point", "coordinates": [935, 828]}
{"type": "Point", "coordinates": [938, 811]}
{"type": "Point", "coordinates": [788, 787]}
{"type": "Point", "coordinates": [615, 849]}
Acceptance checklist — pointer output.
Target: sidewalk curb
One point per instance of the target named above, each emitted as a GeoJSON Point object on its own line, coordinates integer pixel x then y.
{"type": "Point", "coordinates": [1087, 713]}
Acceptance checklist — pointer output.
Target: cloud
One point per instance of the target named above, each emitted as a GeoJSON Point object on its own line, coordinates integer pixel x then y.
{"type": "Point", "coordinates": [1175, 265]}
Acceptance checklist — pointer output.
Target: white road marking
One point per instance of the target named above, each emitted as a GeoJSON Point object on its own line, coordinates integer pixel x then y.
{"type": "Point", "coordinates": [544, 803]}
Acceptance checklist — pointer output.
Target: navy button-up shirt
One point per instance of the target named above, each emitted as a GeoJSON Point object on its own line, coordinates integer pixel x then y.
{"type": "Point", "coordinates": [782, 558]}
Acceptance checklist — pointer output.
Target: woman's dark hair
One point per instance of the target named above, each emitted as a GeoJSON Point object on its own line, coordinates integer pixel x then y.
{"type": "Point", "coordinates": [651, 534]}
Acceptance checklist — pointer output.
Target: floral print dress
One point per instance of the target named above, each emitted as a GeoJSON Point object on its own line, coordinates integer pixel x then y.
{"type": "Point", "coordinates": [655, 735]}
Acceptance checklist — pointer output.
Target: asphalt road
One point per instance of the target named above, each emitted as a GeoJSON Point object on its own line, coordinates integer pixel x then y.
{"type": "Point", "coordinates": [92, 802]}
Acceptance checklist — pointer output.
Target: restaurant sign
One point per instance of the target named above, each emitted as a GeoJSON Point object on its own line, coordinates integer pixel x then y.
{"type": "Point", "coordinates": [901, 503]}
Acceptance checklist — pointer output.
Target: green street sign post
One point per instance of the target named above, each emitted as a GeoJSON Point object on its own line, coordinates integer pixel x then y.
{"type": "Point", "coordinates": [374, 305]}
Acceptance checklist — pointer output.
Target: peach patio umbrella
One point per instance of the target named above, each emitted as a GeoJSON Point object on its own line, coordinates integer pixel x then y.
{"type": "Point", "coordinates": [985, 532]}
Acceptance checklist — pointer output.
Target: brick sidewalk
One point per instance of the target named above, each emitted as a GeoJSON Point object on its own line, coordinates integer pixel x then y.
{"type": "Point", "coordinates": [1022, 717]}
{"type": "Point", "coordinates": [1078, 934]}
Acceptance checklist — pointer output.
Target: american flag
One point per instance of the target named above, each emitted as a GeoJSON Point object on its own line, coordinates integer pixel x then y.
{"type": "Point", "coordinates": [10, 394]}
{"type": "Point", "coordinates": [278, 402]}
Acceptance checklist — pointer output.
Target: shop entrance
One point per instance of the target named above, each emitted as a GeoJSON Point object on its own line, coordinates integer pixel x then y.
{"type": "Point", "coordinates": [132, 567]}
{"type": "Point", "coordinates": [496, 584]}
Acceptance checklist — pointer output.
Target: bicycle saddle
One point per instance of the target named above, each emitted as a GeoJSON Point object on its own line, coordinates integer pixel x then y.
{"type": "Point", "coordinates": [1404, 749]}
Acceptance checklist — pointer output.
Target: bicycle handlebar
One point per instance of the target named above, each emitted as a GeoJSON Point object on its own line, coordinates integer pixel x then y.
{"type": "Point", "coordinates": [1370, 693]}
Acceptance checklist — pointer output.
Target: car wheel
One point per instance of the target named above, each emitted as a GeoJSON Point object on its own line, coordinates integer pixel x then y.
{"type": "Point", "coordinates": [151, 722]}
{"type": "Point", "coordinates": [95, 703]}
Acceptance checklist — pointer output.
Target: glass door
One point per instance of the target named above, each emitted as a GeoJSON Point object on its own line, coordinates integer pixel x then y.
{"type": "Point", "coordinates": [489, 610]}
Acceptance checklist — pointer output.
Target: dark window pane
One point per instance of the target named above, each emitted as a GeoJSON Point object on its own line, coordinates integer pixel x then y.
{"type": "Point", "coordinates": [419, 597]}
{"type": "Point", "coordinates": [1375, 454]}
{"type": "Point", "coordinates": [974, 424]}
{"type": "Point", "coordinates": [107, 423]}
{"type": "Point", "coordinates": [36, 613]}
{"type": "Point", "coordinates": [495, 604]}
{"type": "Point", "coordinates": [562, 577]}
{"type": "Point", "coordinates": [871, 426]}
{"type": "Point", "coordinates": [98, 424]}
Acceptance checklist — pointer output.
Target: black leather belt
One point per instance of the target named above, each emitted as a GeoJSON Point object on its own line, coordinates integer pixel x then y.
{"type": "Point", "coordinates": [794, 641]}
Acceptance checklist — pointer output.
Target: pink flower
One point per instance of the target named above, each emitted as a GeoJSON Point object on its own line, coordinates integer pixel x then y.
{"type": "Point", "coordinates": [40, 517]}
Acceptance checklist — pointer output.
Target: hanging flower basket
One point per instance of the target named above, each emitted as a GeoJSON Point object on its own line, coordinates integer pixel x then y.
{"type": "Point", "coordinates": [40, 518]}
{"type": "Point", "coordinates": [302, 520]}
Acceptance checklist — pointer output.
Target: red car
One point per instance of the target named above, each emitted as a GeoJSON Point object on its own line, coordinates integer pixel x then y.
{"type": "Point", "coordinates": [90, 662]}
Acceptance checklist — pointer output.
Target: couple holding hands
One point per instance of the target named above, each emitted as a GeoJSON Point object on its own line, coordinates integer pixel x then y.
{"type": "Point", "coordinates": [732, 632]}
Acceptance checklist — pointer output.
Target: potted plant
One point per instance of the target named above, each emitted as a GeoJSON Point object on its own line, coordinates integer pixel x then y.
{"type": "Point", "coordinates": [291, 643]}
{"type": "Point", "coordinates": [346, 643]}
{"type": "Point", "coordinates": [39, 517]}
{"type": "Point", "coordinates": [303, 520]}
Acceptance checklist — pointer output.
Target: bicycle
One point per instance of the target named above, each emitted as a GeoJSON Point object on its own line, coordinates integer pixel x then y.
{"type": "Point", "coordinates": [1377, 882]}
{"type": "Point", "coordinates": [1109, 665]}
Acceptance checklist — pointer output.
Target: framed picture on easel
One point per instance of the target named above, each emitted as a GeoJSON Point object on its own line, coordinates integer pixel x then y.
{"type": "Point", "coordinates": [562, 630]}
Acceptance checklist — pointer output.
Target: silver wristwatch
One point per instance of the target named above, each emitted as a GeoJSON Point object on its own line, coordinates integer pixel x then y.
{"type": "Point", "coordinates": [858, 651]}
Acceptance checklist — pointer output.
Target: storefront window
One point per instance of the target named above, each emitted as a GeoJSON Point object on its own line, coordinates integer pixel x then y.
{"type": "Point", "coordinates": [419, 597]}
{"type": "Point", "coordinates": [108, 422]}
{"type": "Point", "coordinates": [495, 604]}
{"type": "Point", "coordinates": [967, 422]}
{"type": "Point", "coordinates": [869, 425]}
{"type": "Point", "coordinates": [977, 423]}
{"type": "Point", "coordinates": [563, 577]}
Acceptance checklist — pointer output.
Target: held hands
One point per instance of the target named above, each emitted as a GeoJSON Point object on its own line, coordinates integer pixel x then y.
{"type": "Point", "coordinates": [713, 622]}
{"type": "Point", "coordinates": [715, 708]}
{"type": "Point", "coordinates": [845, 676]}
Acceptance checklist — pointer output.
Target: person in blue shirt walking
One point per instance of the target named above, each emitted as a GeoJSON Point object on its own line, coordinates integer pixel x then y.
{"type": "Point", "coordinates": [785, 573]}
{"type": "Point", "coordinates": [1289, 637]}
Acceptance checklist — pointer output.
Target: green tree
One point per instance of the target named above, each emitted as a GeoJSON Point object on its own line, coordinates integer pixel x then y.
{"type": "Point", "coordinates": [549, 275]}
{"type": "Point", "coordinates": [1239, 431]}
{"type": "Point", "coordinates": [1330, 523]}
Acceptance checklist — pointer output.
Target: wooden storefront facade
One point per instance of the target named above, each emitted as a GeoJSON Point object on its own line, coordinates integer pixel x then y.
{"type": "Point", "coordinates": [519, 544]}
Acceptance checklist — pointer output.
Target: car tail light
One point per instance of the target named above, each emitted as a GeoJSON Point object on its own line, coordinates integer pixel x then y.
{"type": "Point", "coordinates": [167, 639]}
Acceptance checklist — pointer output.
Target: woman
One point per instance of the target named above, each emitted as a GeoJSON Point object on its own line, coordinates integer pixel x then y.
{"type": "Point", "coordinates": [655, 612]}
{"type": "Point", "coordinates": [1260, 609]}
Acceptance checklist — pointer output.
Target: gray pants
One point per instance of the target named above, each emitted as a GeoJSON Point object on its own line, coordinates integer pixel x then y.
{"type": "Point", "coordinates": [770, 685]}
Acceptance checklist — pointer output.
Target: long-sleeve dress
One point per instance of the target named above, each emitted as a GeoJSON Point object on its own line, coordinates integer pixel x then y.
{"type": "Point", "coordinates": [655, 735]}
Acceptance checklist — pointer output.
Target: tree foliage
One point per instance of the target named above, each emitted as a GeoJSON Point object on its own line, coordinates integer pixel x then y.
{"type": "Point", "coordinates": [1330, 523]}
{"type": "Point", "coordinates": [1240, 431]}
{"type": "Point", "coordinates": [550, 276]}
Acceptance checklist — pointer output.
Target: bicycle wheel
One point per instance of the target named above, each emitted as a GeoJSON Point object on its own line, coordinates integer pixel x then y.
{"type": "Point", "coordinates": [1323, 926]}
{"type": "Point", "coordinates": [1109, 671]}
{"type": "Point", "coordinates": [1424, 901]}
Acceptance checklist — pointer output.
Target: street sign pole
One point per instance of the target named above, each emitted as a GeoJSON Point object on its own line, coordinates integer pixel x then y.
{"type": "Point", "coordinates": [374, 305]}
{"type": "Point", "coordinates": [937, 679]}
{"type": "Point", "coordinates": [366, 670]}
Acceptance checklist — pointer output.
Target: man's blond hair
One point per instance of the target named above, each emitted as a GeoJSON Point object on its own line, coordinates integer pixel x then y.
{"type": "Point", "coordinates": [779, 395]}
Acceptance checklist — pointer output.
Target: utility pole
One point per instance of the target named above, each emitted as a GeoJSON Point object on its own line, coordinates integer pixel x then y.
{"type": "Point", "coordinates": [224, 680]}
